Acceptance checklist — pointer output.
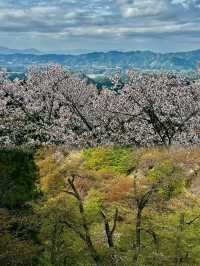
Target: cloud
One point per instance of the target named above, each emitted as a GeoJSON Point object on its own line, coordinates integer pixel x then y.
{"type": "Point", "coordinates": [186, 3]}
{"type": "Point", "coordinates": [140, 8]}
{"type": "Point", "coordinates": [99, 22]}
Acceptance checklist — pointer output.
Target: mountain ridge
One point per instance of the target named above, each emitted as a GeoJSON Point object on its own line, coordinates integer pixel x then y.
{"type": "Point", "coordinates": [148, 60]}
{"type": "Point", "coordinates": [6, 51]}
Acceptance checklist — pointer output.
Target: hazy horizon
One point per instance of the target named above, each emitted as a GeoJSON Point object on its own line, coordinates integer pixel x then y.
{"type": "Point", "coordinates": [85, 51]}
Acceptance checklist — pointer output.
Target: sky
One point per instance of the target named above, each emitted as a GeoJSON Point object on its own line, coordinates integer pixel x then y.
{"type": "Point", "coordinates": [100, 25]}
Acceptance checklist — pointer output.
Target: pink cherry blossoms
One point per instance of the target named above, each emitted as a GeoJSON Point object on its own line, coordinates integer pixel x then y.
{"type": "Point", "coordinates": [52, 106]}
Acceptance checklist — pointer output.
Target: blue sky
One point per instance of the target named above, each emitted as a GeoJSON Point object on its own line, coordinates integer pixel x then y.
{"type": "Point", "coordinates": [64, 25]}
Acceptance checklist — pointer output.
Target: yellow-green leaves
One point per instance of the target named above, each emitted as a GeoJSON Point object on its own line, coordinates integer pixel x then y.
{"type": "Point", "coordinates": [117, 159]}
{"type": "Point", "coordinates": [168, 177]}
{"type": "Point", "coordinates": [93, 204]}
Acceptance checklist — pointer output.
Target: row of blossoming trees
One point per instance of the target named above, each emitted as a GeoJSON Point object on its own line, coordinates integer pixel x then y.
{"type": "Point", "coordinates": [53, 106]}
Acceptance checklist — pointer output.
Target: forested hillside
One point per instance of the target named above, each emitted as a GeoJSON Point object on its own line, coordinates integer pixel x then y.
{"type": "Point", "coordinates": [99, 133]}
{"type": "Point", "coordinates": [100, 206]}
{"type": "Point", "coordinates": [99, 176]}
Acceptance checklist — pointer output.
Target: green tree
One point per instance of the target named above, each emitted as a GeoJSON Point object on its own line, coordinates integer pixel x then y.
{"type": "Point", "coordinates": [19, 175]}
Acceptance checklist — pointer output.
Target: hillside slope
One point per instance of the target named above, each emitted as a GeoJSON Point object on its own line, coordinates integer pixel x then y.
{"type": "Point", "coordinates": [145, 60]}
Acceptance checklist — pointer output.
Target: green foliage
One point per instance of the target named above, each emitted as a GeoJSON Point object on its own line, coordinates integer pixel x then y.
{"type": "Point", "coordinates": [19, 175]}
{"type": "Point", "coordinates": [104, 180]}
{"type": "Point", "coordinates": [93, 204]}
{"type": "Point", "coordinates": [17, 241]}
{"type": "Point", "coordinates": [117, 159]}
{"type": "Point", "coordinates": [169, 177]}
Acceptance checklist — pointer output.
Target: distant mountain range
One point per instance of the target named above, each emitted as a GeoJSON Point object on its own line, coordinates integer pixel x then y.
{"type": "Point", "coordinates": [5, 51]}
{"type": "Point", "coordinates": [99, 62]}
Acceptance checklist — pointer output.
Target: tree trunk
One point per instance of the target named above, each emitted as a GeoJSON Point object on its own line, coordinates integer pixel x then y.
{"type": "Point", "coordinates": [138, 233]}
{"type": "Point", "coordinates": [86, 237]}
{"type": "Point", "coordinates": [178, 255]}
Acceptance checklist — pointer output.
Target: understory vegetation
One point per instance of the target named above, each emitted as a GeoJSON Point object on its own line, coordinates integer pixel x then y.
{"type": "Point", "coordinates": [107, 205]}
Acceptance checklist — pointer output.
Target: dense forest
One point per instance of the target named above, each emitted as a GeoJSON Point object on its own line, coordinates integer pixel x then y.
{"type": "Point", "coordinates": [99, 176]}
{"type": "Point", "coordinates": [100, 206]}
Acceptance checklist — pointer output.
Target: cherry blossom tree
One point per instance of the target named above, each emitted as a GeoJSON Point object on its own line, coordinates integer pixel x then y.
{"type": "Point", "coordinates": [158, 109]}
{"type": "Point", "coordinates": [54, 106]}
